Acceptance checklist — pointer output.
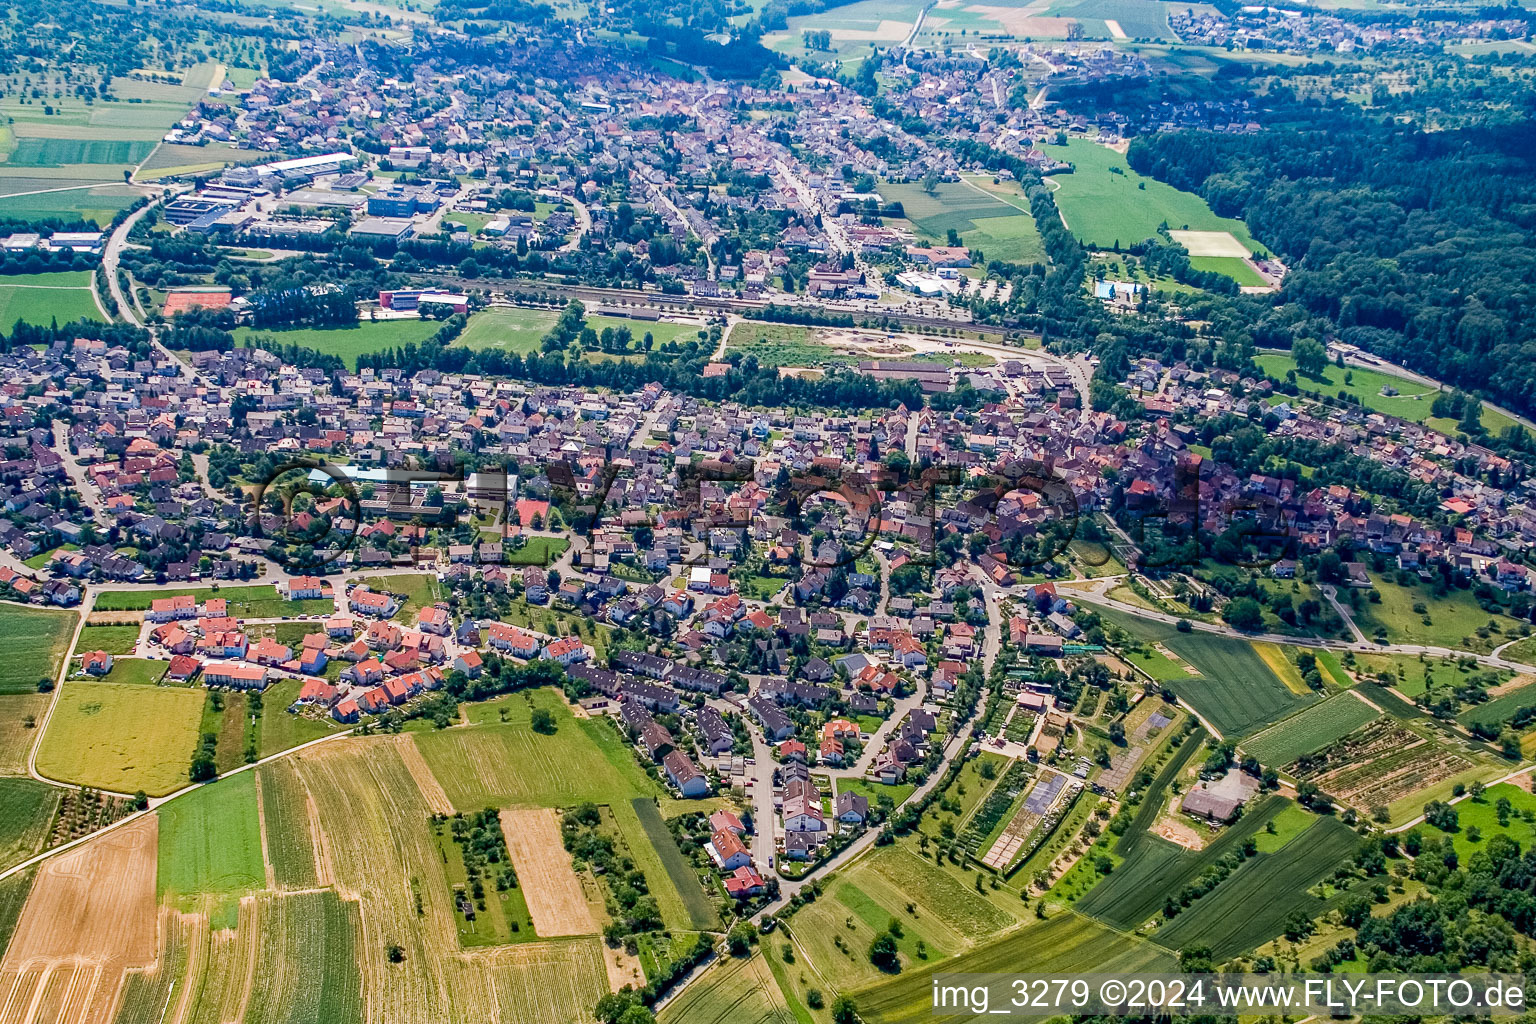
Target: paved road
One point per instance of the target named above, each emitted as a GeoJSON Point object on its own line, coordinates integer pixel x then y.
{"type": "Point", "coordinates": [109, 259]}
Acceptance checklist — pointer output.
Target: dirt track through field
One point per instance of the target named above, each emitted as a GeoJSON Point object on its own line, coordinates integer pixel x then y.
{"type": "Point", "coordinates": [90, 917]}
{"type": "Point", "coordinates": [431, 790]}
{"type": "Point", "coordinates": [550, 887]}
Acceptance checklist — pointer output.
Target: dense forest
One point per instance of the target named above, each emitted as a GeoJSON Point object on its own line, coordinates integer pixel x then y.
{"type": "Point", "coordinates": [1415, 245]}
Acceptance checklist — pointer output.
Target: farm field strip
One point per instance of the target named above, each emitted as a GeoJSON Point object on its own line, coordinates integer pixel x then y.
{"type": "Point", "coordinates": [1310, 729]}
{"type": "Point", "coordinates": [1066, 942]}
{"type": "Point", "coordinates": [550, 886]}
{"type": "Point", "coordinates": [1235, 690]}
{"type": "Point", "coordinates": [91, 909]}
{"type": "Point", "coordinates": [1251, 906]}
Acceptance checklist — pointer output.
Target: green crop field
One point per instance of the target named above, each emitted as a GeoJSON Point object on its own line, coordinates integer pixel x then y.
{"type": "Point", "coordinates": [1155, 867]}
{"type": "Point", "coordinates": [1412, 401]}
{"type": "Point", "coordinates": [985, 221]}
{"type": "Point", "coordinates": [309, 942]}
{"type": "Point", "coordinates": [737, 990]}
{"type": "Point", "coordinates": [368, 337]}
{"type": "Point", "coordinates": [13, 894]}
{"type": "Point", "coordinates": [26, 810]}
{"type": "Point", "coordinates": [281, 729]}
{"type": "Point", "coordinates": [112, 639]}
{"type": "Point", "coordinates": [57, 152]}
{"type": "Point", "coordinates": [16, 736]}
{"type": "Point", "coordinates": [122, 737]}
{"type": "Point", "coordinates": [99, 204]}
{"type": "Point", "coordinates": [1311, 729]}
{"type": "Point", "coordinates": [1235, 690]}
{"type": "Point", "coordinates": [35, 642]}
{"type": "Point", "coordinates": [285, 818]}
{"type": "Point", "coordinates": [1066, 942]}
{"type": "Point", "coordinates": [210, 841]}
{"type": "Point", "coordinates": [1251, 906]}
{"type": "Point", "coordinates": [700, 912]}
{"type": "Point", "coordinates": [1105, 207]}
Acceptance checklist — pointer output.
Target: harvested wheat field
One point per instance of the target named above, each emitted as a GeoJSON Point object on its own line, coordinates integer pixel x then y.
{"type": "Point", "coordinates": [431, 789]}
{"type": "Point", "coordinates": [90, 917]}
{"type": "Point", "coordinates": [551, 888]}
{"type": "Point", "coordinates": [377, 839]}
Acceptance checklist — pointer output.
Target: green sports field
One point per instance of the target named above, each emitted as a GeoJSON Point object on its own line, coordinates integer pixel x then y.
{"type": "Point", "coordinates": [985, 220]}
{"type": "Point", "coordinates": [367, 337]}
{"type": "Point", "coordinates": [513, 330]}
{"type": "Point", "coordinates": [122, 736]}
{"type": "Point", "coordinates": [1232, 266]}
{"type": "Point", "coordinates": [210, 841]}
{"type": "Point", "coordinates": [43, 298]}
{"type": "Point", "coordinates": [35, 642]}
{"type": "Point", "coordinates": [1105, 207]}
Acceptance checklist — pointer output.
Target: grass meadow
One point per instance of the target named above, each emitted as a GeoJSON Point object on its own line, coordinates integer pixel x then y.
{"type": "Point", "coordinates": [1412, 402]}
{"type": "Point", "coordinates": [1105, 204]}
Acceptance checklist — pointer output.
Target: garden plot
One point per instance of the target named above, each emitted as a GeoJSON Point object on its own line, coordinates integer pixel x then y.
{"type": "Point", "coordinates": [1378, 764]}
{"type": "Point", "coordinates": [1037, 803]}
{"type": "Point", "coordinates": [1124, 760]}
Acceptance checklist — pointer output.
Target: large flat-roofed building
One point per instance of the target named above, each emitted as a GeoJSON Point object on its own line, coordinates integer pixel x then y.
{"type": "Point", "coordinates": [407, 299]}
{"type": "Point", "coordinates": [304, 168]}
{"type": "Point", "coordinates": [928, 376]}
{"type": "Point", "coordinates": [382, 227]}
